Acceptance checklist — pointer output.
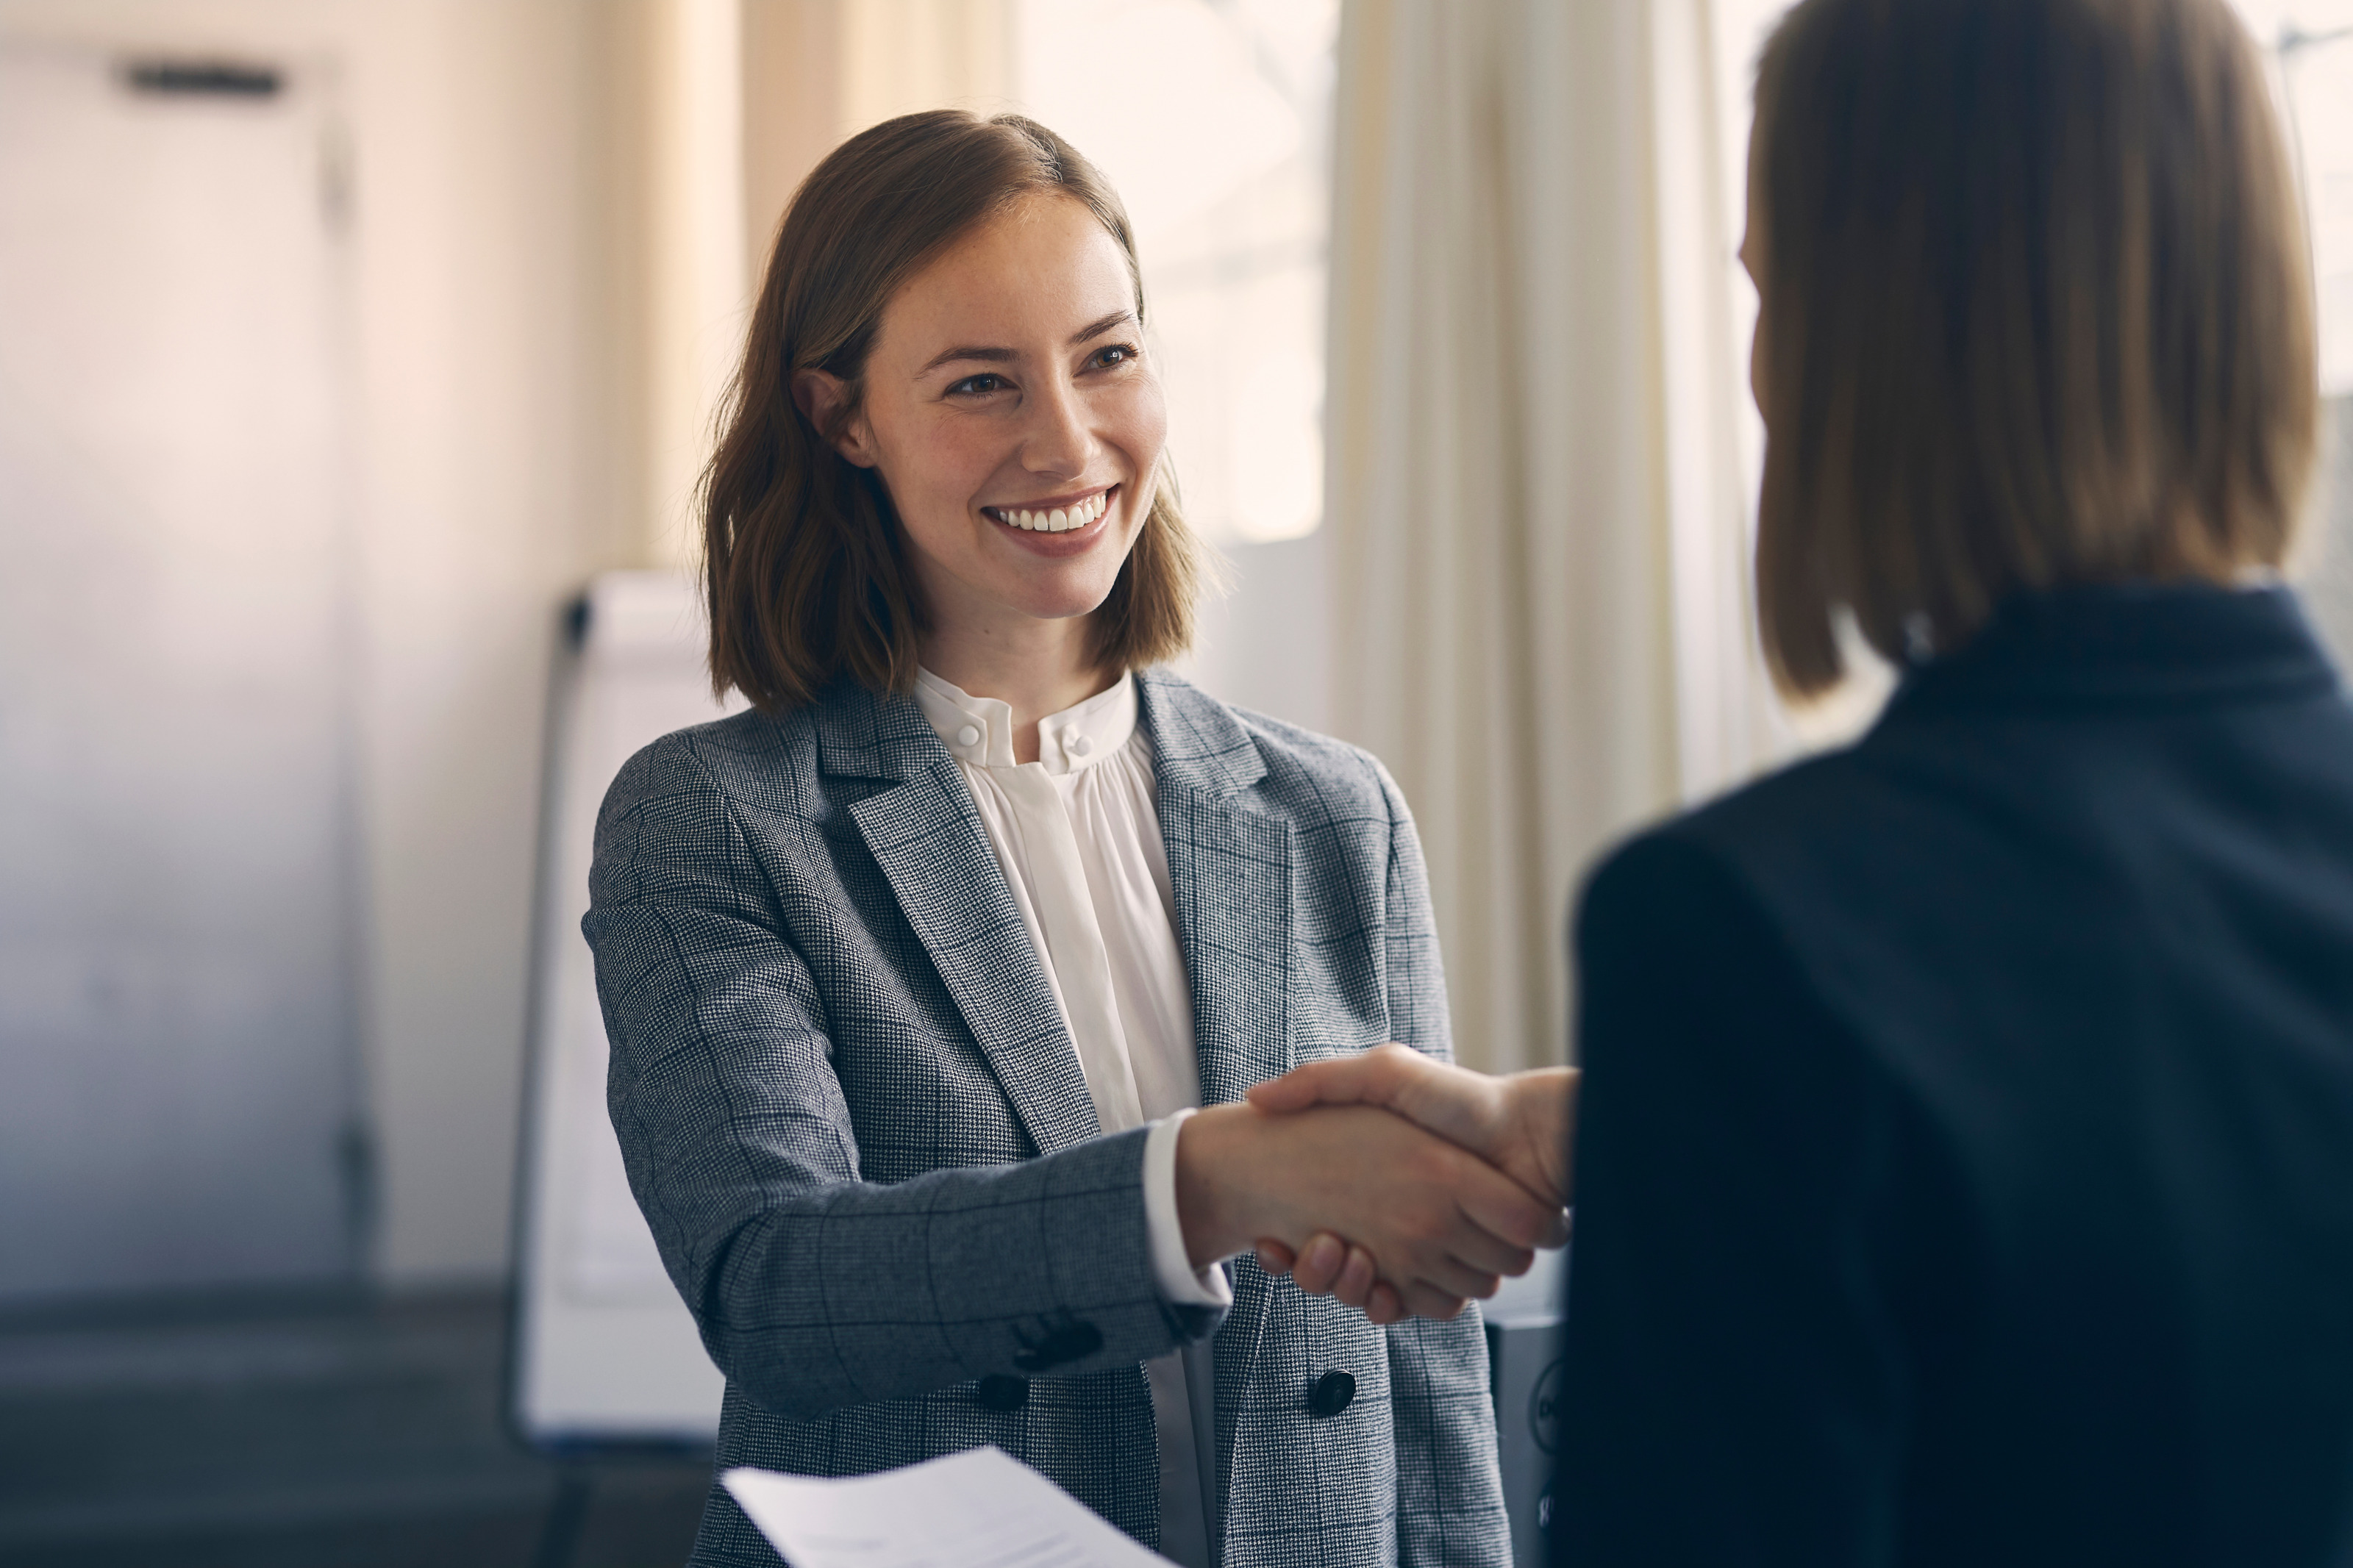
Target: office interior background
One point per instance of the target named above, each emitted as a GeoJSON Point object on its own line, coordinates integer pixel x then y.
{"type": "Point", "coordinates": [344, 344]}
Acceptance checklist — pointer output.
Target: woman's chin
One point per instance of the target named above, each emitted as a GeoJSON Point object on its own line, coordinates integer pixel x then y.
{"type": "Point", "coordinates": [1055, 587]}
{"type": "Point", "coordinates": [1064, 602]}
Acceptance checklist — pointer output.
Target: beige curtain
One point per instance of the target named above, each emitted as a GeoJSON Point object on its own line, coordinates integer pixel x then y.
{"type": "Point", "coordinates": [715, 112]}
{"type": "Point", "coordinates": [1537, 510]}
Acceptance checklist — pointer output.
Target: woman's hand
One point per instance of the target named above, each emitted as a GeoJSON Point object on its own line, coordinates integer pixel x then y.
{"type": "Point", "coordinates": [1521, 1125]}
{"type": "Point", "coordinates": [1328, 1266]}
{"type": "Point", "coordinates": [1447, 1224]}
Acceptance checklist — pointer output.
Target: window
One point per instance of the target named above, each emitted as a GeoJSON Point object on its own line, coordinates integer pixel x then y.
{"type": "Point", "coordinates": [2312, 51]}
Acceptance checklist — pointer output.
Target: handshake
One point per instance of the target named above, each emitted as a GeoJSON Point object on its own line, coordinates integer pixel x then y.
{"type": "Point", "coordinates": [1398, 1185]}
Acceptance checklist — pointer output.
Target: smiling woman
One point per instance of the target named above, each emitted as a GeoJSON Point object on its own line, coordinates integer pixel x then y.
{"type": "Point", "coordinates": [1022, 458]}
{"type": "Point", "coordinates": [1013, 288]}
{"type": "Point", "coordinates": [920, 976]}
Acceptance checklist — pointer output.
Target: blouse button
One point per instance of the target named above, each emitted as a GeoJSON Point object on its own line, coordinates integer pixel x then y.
{"type": "Point", "coordinates": [1080, 745]}
{"type": "Point", "coordinates": [968, 736]}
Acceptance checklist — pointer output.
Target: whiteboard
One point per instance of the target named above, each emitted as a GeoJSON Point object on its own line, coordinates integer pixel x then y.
{"type": "Point", "coordinates": [603, 1351]}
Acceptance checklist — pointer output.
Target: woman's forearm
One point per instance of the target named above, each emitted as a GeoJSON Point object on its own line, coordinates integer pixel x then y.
{"type": "Point", "coordinates": [812, 1295]}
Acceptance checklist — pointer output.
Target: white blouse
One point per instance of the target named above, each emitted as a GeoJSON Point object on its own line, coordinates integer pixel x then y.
{"type": "Point", "coordinates": [1077, 833]}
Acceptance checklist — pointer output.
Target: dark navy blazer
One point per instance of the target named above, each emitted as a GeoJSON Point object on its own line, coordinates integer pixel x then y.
{"type": "Point", "coordinates": [1965, 1164]}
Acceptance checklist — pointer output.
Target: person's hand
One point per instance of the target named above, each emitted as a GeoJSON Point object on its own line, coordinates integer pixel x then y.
{"type": "Point", "coordinates": [1523, 1125]}
{"type": "Point", "coordinates": [1328, 1266]}
{"type": "Point", "coordinates": [1445, 1223]}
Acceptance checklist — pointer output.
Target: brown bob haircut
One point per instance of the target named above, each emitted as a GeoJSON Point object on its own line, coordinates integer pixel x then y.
{"type": "Point", "coordinates": [803, 561]}
{"type": "Point", "coordinates": [2036, 311]}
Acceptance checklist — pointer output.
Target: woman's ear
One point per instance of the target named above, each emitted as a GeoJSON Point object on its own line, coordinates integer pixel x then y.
{"type": "Point", "coordinates": [819, 395]}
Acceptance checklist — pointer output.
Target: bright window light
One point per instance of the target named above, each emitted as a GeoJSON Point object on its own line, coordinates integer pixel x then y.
{"type": "Point", "coordinates": [2312, 46]}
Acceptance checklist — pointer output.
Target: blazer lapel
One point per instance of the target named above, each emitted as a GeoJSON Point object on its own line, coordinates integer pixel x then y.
{"type": "Point", "coordinates": [925, 835]}
{"type": "Point", "coordinates": [1230, 868]}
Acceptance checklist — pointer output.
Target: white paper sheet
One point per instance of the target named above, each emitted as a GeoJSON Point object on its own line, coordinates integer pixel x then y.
{"type": "Point", "coordinates": [979, 1508]}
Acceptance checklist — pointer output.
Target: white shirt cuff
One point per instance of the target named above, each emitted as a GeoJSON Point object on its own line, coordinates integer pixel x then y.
{"type": "Point", "coordinates": [1180, 1283]}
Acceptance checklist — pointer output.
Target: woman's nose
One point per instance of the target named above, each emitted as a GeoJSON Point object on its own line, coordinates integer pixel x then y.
{"type": "Point", "coordinates": [1058, 440]}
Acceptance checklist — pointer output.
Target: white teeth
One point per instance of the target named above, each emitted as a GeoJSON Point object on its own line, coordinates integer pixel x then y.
{"type": "Point", "coordinates": [1058, 520]}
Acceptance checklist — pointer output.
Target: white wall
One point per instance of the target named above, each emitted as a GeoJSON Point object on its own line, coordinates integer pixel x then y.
{"type": "Point", "coordinates": [484, 336]}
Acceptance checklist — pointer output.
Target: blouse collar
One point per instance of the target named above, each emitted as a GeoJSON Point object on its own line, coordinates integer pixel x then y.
{"type": "Point", "coordinates": [979, 730]}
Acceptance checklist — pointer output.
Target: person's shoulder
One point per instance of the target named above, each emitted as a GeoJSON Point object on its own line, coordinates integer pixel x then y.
{"type": "Point", "coordinates": [1286, 766]}
{"type": "Point", "coordinates": [1293, 751]}
{"type": "Point", "coordinates": [735, 758]}
{"type": "Point", "coordinates": [1798, 799]}
{"type": "Point", "coordinates": [1727, 850]}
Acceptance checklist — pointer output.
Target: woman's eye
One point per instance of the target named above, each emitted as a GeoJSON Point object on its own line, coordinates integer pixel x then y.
{"type": "Point", "coordinates": [1113, 354]}
{"type": "Point", "coordinates": [977, 385]}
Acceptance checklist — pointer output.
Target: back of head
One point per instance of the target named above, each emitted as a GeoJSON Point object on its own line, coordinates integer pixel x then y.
{"type": "Point", "coordinates": [2036, 310]}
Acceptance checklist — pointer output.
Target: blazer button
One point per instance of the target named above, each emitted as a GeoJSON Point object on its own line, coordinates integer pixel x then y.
{"type": "Point", "coordinates": [1331, 1394]}
{"type": "Point", "coordinates": [1001, 1395]}
{"type": "Point", "coordinates": [1057, 1343]}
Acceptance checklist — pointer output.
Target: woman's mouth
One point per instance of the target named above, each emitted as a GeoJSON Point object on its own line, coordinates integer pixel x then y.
{"type": "Point", "coordinates": [1067, 517]}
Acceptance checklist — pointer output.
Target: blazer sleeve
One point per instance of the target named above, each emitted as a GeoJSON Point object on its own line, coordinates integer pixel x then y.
{"type": "Point", "coordinates": [814, 1288]}
{"type": "Point", "coordinates": [1733, 1389]}
{"type": "Point", "coordinates": [1450, 1489]}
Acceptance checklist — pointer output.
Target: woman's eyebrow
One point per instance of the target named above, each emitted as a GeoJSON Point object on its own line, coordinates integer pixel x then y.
{"type": "Point", "coordinates": [1097, 328]}
{"type": "Point", "coordinates": [998, 356]}
{"type": "Point", "coordinates": [990, 356]}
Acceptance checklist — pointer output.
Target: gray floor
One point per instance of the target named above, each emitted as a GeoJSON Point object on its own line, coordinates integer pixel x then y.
{"type": "Point", "coordinates": [321, 1429]}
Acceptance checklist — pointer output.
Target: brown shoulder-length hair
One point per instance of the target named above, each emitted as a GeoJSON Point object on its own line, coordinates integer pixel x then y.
{"type": "Point", "coordinates": [802, 557]}
{"type": "Point", "coordinates": [2036, 310]}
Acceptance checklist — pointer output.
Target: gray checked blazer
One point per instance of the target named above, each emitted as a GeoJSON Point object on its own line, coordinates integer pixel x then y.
{"type": "Point", "coordinates": [857, 1125]}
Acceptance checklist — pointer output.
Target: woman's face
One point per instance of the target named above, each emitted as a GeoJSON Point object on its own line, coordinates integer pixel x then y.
{"type": "Point", "coordinates": [1013, 416]}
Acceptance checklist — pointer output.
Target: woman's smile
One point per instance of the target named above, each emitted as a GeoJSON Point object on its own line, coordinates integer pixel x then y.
{"type": "Point", "coordinates": [1059, 515]}
{"type": "Point", "coordinates": [1060, 527]}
